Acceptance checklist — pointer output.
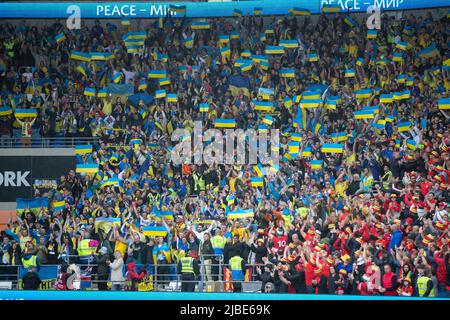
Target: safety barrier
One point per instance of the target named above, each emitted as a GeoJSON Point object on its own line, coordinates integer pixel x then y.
{"type": "Point", "coordinates": [42, 142]}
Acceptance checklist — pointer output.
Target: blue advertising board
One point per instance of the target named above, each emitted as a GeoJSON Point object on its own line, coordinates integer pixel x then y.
{"type": "Point", "coordinates": [120, 10]}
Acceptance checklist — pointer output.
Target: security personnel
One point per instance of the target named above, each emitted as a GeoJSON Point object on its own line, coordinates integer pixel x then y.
{"type": "Point", "coordinates": [189, 270]}
{"type": "Point", "coordinates": [30, 261]}
{"type": "Point", "coordinates": [218, 243]}
{"type": "Point", "coordinates": [199, 182]}
{"type": "Point", "coordinates": [237, 266]}
{"type": "Point", "coordinates": [85, 251]}
{"type": "Point", "coordinates": [424, 286]}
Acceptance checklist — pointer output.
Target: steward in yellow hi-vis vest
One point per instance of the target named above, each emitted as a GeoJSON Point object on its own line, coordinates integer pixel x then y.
{"type": "Point", "coordinates": [237, 266]}
{"type": "Point", "coordinates": [189, 269]}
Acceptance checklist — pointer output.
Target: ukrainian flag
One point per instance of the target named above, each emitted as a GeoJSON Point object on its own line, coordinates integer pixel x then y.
{"type": "Point", "coordinates": [268, 120]}
{"type": "Point", "coordinates": [262, 37]}
{"type": "Point", "coordinates": [382, 62]}
{"type": "Point", "coordinates": [60, 37]}
{"type": "Point", "coordinates": [260, 58]}
{"type": "Point", "coordinates": [287, 73]}
{"type": "Point", "coordinates": [25, 113]}
{"type": "Point", "coordinates": [332, 148]}
{"type": "Point", "coordinates": [172, 97]}
{"type": "Point", "coordinates": [183, 69]}
{"type": "Point", "coordinates": [135, 49]}
{"type": "Point", "coordinates": [81, 69]}
{"type": "Point", "coordinates": [297, 137]}
{"type": "Point", "coordinates": [374, 109]}
{"type": "Point", "coordinates": [372, 34]}
{"type": "Point", "coordinates": [401, 78]}
{"type": "Point", "coordinates": [257, 11]}
{"type": "Point", "coordinates": [429, 52]}
{"type": "Point", "coordinates": [142, 85]}
{"type": "Point", "coordinates": [390, 118]}
{"type": "Point", "coordinates": [225, 123]}
{"type": "Point", "coordinates": [444, 103]}
{"type": "Point", "coordinates": [274, 50]}
{"type": "Point", "coordinates": [224, 38]}
{"type": "Point", "coordinates": [177, 8]}
{"type": "Point", "coordinates": [291, 44]}
{"type": "Point", "coordinates": [204, 107]}
{"type": "Point", "coordinates": [316, 164]}
{"type": "Point", "coordinates": [4, 111]}
{"type": "Point", "coordinates": [116, 77]}
{"type": "Point", "coordinates": [76, 55]}
{"type": "Point", "coordinates": [310, 103]}
{"type": "Point", "coordinates": [265, 93]}
{"type": "Point", "coordinates": [83, 149]}
{"type": "Point", "coordinates": [294, 147]}
{"type": "Point", "coordinates": [240, 214]}
{"type": "Point", "coordinates": [331, 8]}
{"type": "Point", "coordinates": [259, 170]}
{"type": "Point", "coordinates": [401, 45]}
{"type": "Point", "coordinates": [306, 152]}
{"type": "Point", "coordinates": [154, 231]}
{"type": "Point", "coordinates": [312, 57]}
{"type": "Point", "coordinates": [404, 126]}
{"type": "Point", "coordinates": [339, 136]}
{"type": "Point", "coordinates": [386, 98]}
{"type": "Point", "coordinates": [246, 54]}
{"type": "Point", "coordinates": [411, 144]}
{"type": "Point", "coordinates": [90, 92]}
{"type": "Point", "coordinates": [364, 114]}
{"type": "Point", "coordinates": [157, 74]}
{"type": "Point", "coordinates": [234, 35]}
{"type": "Point", "coordinates": [405, 94]}
{"type": "Point", "coordinates": [199, 25]}
{"type": "Point", "coordinates": [263, 128]}
{"type": "Point", "coordinates": [160, 93]}
{"type": "Point", "coordinates": [287, 157]}
{"type": "Point", "coordinates": [257, 182]}
{"type": "Point", "coordinates": [311, 95]}
{"type": "Point", "coordinates": [264, 65]}
{"type": "Point", "coordinates": [109, 182]}
{"type": "Point", "coordinates": [269, 31]}
{"type": "Point", "coordinates": [102, 93]}
{"type": "Point", "coordinates": [125, 22]}
{"type": "Point", "coordinates": [134, 42]}
{"type": "Point", "coordinates": [398, 57]}
{"type": "Point", "coordinates": [237, 13]}
{"type": "Point", "coordinates": [134, 35]}
{"type": "Point", "coordinates": [225, 51]}
{"type": "Point", "coordinates": [363, 93]}
{"type": "Point", "coordinates": [58, 205]}
{"type": "Point", "coordinates": [300, 12]}
{"type": "Point", "coordinates": [263, 105]}
{"type": "Point", "coordinates": [246, 67]}
{"type": "Point", "coordinates": [164, 81]}
{"type": "Point", "coordinates": [360, 62]}
{"type": "Point", "coordinates": [331, 104]}
{"type": "Point", "coordinates": [97, 56]}
{"type": "Point", "coordinates": [349, 73]}
{"type": "Point", "coordinates": [240, 62]}
{"type": "Point", "coordinates": [87, 168]}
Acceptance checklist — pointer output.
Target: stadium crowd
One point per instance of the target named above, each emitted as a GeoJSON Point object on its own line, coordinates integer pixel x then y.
{"type": "Point", "coordinates": [371, 219]}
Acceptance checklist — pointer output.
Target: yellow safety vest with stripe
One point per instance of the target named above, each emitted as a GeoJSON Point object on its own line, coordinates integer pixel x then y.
{"type": "Point", "coordinates": [199, 183]}
{"type": "Point", "coordinates": [236, 268]}
{"type": "Point", "coordinates": [84, 249]}
{"type": "Point", "coordinates": [187, 265]}
{"type": "Point", "coordinates": [422, 283]}
{"type": "Point", "coordinates": [31, 262]}
{"type": "Point", "coordinates": [386, 180]}
{"type": "Point", "coordinates": [218, 243]}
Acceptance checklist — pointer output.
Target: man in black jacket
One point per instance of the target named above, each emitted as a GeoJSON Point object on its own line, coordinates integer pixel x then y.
{"type": "Point", "coordinates": [102, 268]}
{"type": "Point", "coordinates": [31, 280]}
{"type": "Point", "coordinates": [207, 252]}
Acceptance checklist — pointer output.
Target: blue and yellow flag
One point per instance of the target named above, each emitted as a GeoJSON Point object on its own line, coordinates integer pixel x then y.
{"type": "Point", "coordinates": [90, 92]}
{"type": "Point", "coordinates": [5, 111]}
{"type": "Point", "coordinates": [154, 231]}
{"type": "Point", "coordinates": [263, 105]}
{"type": "Point", "coordinates": [172, 97]}
{"type": "Point", "coordinates": [274, 50]}
{"type": "Point", "coordinates": [25, 113]}
{"type": "Point", "coordinates": [444, 103]}
{"type": "Point", "coordinates": [429, 52]}
{"type": "Point", "coordinates": [300, 11]}
{"type": "Point", "coordinates": [404, 126]}
{"type": "Point", "coordinates": [372, 34]}
{"type": "Point", "coordinates": [157, 74]}
{"type": "Point", "coordinates": [290, 44]}
{"type": "Point", "coordinates": [60, 38]}
{"type": "Point", "coordinates": [200, 25]}
{"type": "Point", "coordinates": [287, 73]}
{"type": "Point", "coordinates": [83, 149]}
{"type": "Point", "coordinates": [177, 8]}
{"type": "Point", "coordinates": [225, 123]}
{"type": "Point", "coordinates": [257, 11]}
{"type": "Point", "coordinates": [87, 168]}
{"type": "Point", "coordinates": [316, 164]}
{"type": "Point", "coordinates": [332, 148]}
{"type": "Point", "coordinates": [331, 8]}
{"type": "Point", "coordinates": [240, 214]}
{"type": "Point", "coordinates": [76, 55]}
{"type": "Point", "coordinates": [160, 94]}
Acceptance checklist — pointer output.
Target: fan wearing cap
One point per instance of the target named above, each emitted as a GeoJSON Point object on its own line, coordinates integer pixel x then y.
{"type": "Point", "coordinates": [259, 248]}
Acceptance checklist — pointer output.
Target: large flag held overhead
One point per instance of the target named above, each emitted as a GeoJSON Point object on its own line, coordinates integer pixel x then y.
{"type": "Point", "coordinates": [105, 224]}
{"type": "Point", "coordinates": [240, 214]}
{"type": "Point", "coordinates": [34, 205]}
{"type": "Point", "coordinates": [154, 231]}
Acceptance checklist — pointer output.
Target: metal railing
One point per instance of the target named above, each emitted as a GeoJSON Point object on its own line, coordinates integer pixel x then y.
{"type": "Point", "coordinates": [43, 142]}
